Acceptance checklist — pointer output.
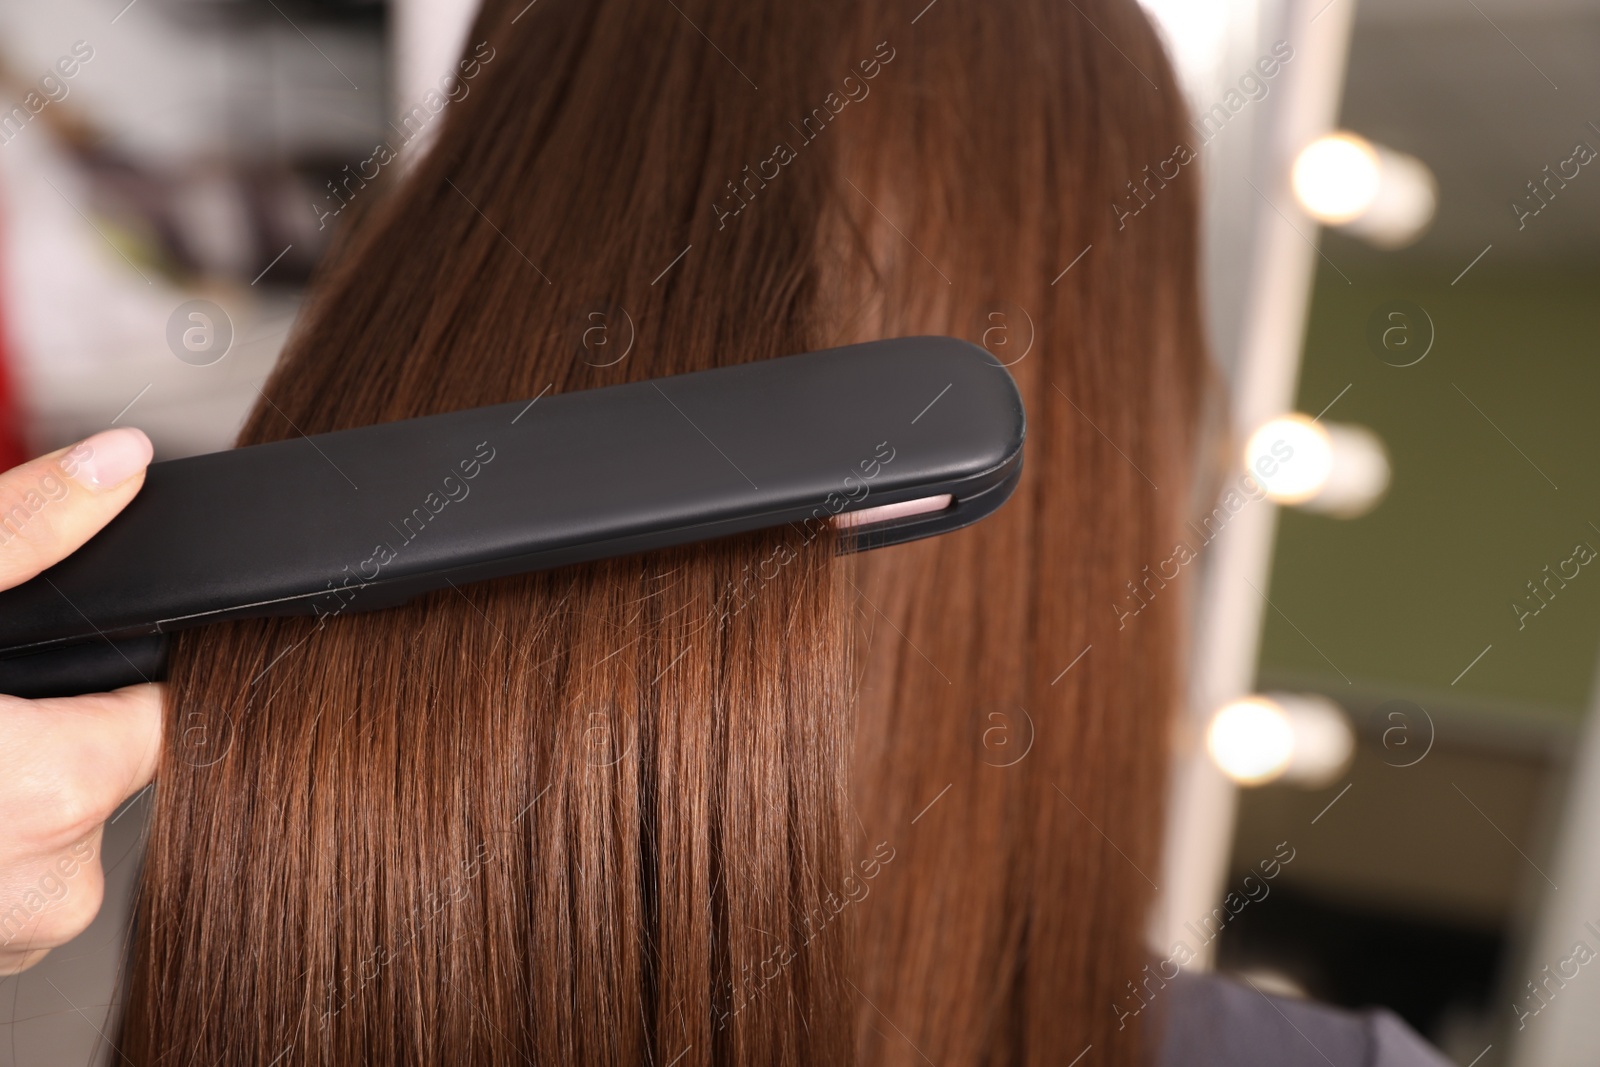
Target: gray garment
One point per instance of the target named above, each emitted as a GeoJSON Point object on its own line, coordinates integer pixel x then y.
{"type": "Point", "coordinates": [1215, 1021]}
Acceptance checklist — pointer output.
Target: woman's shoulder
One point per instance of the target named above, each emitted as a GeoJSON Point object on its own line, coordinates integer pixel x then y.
{"type": "Point", "coordinates": [1215, 1021]}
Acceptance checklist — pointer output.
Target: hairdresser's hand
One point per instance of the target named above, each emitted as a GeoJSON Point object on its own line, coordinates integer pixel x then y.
{"type": "Point", "coordinates": [65, 764]}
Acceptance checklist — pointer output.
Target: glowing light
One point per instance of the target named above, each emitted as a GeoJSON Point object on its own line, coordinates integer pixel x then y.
{"type": "Point", "coordinates": [1291, 456]}
{"type": "Point", "coordinates": [1334, 468]}
{"type": "Point", "coordinates": [1382, 196]}
{"type": "Point", "coordinates": [1336, 177]}
{"type": "Point", "coordinates": [1251, 740]}
{"type": "Point", "coordinates": [1304, 739]}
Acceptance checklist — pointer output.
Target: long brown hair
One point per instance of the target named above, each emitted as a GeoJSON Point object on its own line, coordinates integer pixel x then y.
{"type": "Point", "coordinates": [747, 802]}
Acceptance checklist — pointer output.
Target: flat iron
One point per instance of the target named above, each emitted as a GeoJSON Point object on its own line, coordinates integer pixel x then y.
{"type": "Point", "coordinates": [889, 441]}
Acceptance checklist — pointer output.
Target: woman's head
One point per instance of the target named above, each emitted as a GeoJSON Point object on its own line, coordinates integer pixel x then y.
{"type": "Point", "coordinates": [751, 801]}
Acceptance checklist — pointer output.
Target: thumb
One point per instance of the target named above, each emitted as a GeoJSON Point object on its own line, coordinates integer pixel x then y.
{"type": "Point", "coordinates": [50, 506]}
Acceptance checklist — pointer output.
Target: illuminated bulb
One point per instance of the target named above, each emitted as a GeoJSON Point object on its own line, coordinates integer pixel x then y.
{"type": "Point", "coordinates": [1292, 458]}
{"type": "Point", "coordinates": [1336, 178]}
{"type": "Point", "coordinates": [1359, 475]}
{"type": "Point", "coordinates": [1301, 738]}
{"type": "Point", "coordinates": [1334, 468]}
{"type": "Point", "coordinates": [1382, 196]}
{"type": "Point", "coordinates": [1252, 740]}
{"type": "Point", "coordinates": [1323, 739]}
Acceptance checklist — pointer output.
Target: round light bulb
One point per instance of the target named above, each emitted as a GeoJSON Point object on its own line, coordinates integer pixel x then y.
{"type": "Point", "coordinates": [1291, 457]}
{"type": "Point", "coordinates": [1303, 739]}
{"type": "Point", "coordinates": [1251, 740]}
{"type": "Point", "coordinates": [1324, 741]}
{"type": "Point", "coordinates": [1336, 178]}
{"type": "Point", "coordinates": [1334, 468]}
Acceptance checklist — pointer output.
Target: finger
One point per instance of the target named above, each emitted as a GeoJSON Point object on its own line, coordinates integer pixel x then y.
{"type": "Point", "coordinates": [69, 762]}
{"type": "Point", "coordinates": [17, 962]}
{"type": "Point", "coordinates": [49, 902]}
{"type": "Point", "coordinates": [50, 506]}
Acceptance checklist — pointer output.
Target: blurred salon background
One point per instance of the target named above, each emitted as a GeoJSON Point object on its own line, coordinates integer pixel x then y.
{"type": "Point", "coordinates": [1387, 782]}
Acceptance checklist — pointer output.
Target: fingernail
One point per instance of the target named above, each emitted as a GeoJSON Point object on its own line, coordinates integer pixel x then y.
{"type": "Point", "coordinates": [107, 459]}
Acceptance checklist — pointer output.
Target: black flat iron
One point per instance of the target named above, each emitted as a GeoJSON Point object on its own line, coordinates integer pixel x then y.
{"type": "Point", "coordinates": [889, 441]}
